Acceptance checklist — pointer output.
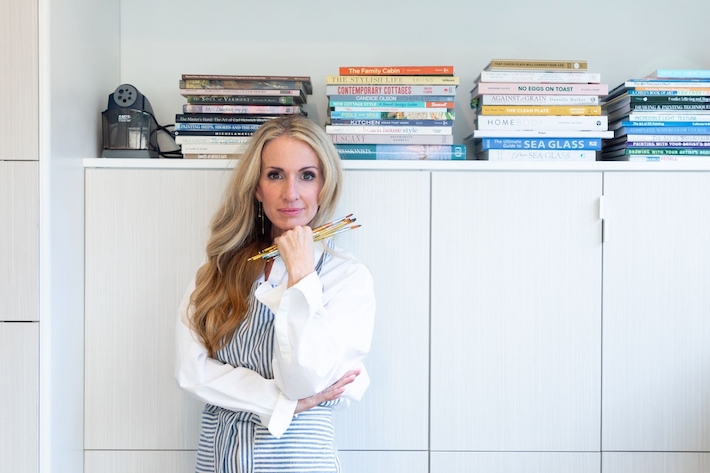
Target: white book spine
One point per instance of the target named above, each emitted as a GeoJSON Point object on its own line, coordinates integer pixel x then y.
{"type": "Point", "coordinates": [393, 139]}
{"type": "Point", "coordinates": [390, 90]}
{"type": "Point", "coordinates": [524, 122]}
{"type": "Point", "coordinates": [657, 158]}
{"type": "Point", "coordinates": [181, 140]}
{"type": "Point", "coordinates": [537, 155]}
{"type": "Point", "coordinates": [539, 134]}
{"type": "Point", "coordinates": [669, 117]}
{"type": "Point", "coordinates": [499, 99]}
{"type": "Point", "coordinates": [631, 137]}
{"type": "Point", "coordinates": [389, 130]}
{"type": "Point", "coordinates": [549, 77]}
{"type": "Point", "coordinates": [213, 148]}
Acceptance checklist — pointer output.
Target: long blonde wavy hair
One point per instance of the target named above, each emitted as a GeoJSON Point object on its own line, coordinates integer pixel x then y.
{"type": "Point", "coordinates": [223, 284]}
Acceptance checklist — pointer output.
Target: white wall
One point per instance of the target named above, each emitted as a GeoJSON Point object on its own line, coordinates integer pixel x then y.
{"type": "Point", "coordinates": [162, 39]}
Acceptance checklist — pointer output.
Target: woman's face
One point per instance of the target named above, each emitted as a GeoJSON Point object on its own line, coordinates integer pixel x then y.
{"type": "Point", "coordinates": [290, 181]}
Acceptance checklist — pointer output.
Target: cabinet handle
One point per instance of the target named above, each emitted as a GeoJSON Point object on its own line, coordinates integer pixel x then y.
{"type": "Point", "coordinates": [605, 224]}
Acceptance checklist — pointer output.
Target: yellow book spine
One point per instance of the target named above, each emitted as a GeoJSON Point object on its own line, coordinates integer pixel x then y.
{"type": "Point", "coordinates": [533, 64]}
{"type": "Point", "coordinates": [555, 110]}
{"type": "Point", "coordinates": [393, 80]}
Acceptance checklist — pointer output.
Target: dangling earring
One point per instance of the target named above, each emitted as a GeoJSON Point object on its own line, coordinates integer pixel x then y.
{"type": "Point", "coordinates": [261, 217]}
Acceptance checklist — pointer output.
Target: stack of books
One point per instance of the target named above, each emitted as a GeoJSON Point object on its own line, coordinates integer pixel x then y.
{"type": "Point", "coordinates": [223, 111]}
{"type": "Point", "coordinates": [663, 117]}
{"type": "Point", "coordinates": [537, 110]}
{"type": "Point", "coordinates": [393, 112]}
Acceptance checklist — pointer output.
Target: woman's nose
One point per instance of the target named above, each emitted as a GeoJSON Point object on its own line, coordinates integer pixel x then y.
{"type": "Point", "coordinates": [291, 190]}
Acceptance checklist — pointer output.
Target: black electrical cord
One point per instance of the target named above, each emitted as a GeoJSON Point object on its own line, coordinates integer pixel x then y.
{"type": "Point", "coordinates": [172, 154]}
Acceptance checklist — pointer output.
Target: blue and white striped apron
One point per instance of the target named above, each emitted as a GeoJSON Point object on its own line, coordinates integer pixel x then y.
{"type": "Point", "coordinates": [235, 442]}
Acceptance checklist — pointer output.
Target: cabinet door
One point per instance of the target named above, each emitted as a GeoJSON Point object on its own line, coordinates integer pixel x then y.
{"type": "Point", "coordinates": [19, 392]}
{"type": "Point", "coordinates": [518, 462]}
{"type": "Point", "coordinates": [146, 232]}
{"type": "Point", "coordinates": [516, 311]}
{"type": "Point", "coordinates": [19, 78]}
{"type": "Point", "coordinates": [655, 462]}
{"type": "Point", "coordinates": [98, 461]}
{"type": "Point", "coordinates": [393, 208]}
{"type": "Point", "coordinates": [657, 312]}
{"type": "Point", "coordinates": [384, 462]}
{"type": "Point", "coordinates": [19, 240]}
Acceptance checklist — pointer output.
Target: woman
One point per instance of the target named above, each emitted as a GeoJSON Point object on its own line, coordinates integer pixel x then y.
{"type": "Point", "coordinates": [272, 345]}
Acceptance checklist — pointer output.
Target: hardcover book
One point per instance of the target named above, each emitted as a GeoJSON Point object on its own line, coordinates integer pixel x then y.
{"type": "Point", "coordinates": [389, 89]}
{"type": "Point", "coordinates": [540, 77]}
{"type": "Point", "coordinates": [537, 155]}
{"type": "Point", "coordinates": [228, 77]}
{"type": "Point", "coordinates": [394, 139]}
{"type": "Point", "coordinates": [536, 64]}
{"type": "Point", "coordinates": [396, 71]}
{"type": "Point", "coordinates": [392, 80]}
{"type": "Point", "coordinates": [385, 151]}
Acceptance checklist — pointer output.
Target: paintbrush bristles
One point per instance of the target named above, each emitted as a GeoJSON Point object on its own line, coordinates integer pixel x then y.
{"type": "Point", "coordinates": [322, 232]}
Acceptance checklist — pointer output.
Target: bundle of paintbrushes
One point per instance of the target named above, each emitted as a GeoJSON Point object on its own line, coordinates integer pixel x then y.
{"type": "Point", "coordinates": [326, 230]}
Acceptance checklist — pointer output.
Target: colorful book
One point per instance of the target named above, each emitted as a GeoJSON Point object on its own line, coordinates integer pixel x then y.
{"type": "Point", "coordinates": [212, 133]}
{"type": "Point", "coordinates": [214, 148]}
{"type": "Point", "coordinates": [540, 133]}
{"type": "Point", "coordinates": [689, 124]}
{"type": "Point", "coordinates": [241, 85]}
{"type": "Point", "coordinates": [669, 107]}
{"type": "Point", "coordinates": [388, 130]}
{"type": "Point", "coordinates": [212, 77]}
{"type": "Point", "coordinates": [663, 130]}
{"type": "Point", "coordinates": [404, 139]}
{"type": "Point", "coordinates": [407, 115]}
{"type": "Point", "coordinates": [669, 151]}
{"type": "Point", "coordinates": [668, 92]}
{"type": "Point", "coordinates": [538, 155]}
{"type": "Point", "coordinates": [392, 122]}
{"type": "Point", "coordinates": [519, 99]}
{"type": "Point", "coordinates": [392, 98]}
{"type": "Point", "coordinates": [502, 122]}
{"type": "Point", "coordinates": [649, 159]}
{"type": "Point", "coordinates": [403, 152]}
{"type": "Point", "coordinates": [210, 156]}
{"type": "Point", "coordinates": [542, 143]}
{"type": "Point", "coordinates": [217, 140]}
{"type": "Point", "coordinates": [533, 110]}
{"type": "Point", "coordinates": [536, 65]}
{"type": "Point", "coordinates": [392, 80]}
{"type": "Point", "coordinates": [243, 109]}
{"type": "Point", "coordinates": [528, 88]}
{"type": "Point", "coordinates": [668, 117]}
{"type": "Point", "coordinates": [334, 104]}
{"type": "Point", "coordinates": [540, 77]}
{"type": "Point", "coordinates": [217, 126]}
{"type": "Point", "coordinates": [679, 74]}
{"type": "Point", "coordinates": [396, 70]}
{"type": "Point", "coordinates": [669, 138]}
{"type": "Point", "coordinates": [390, 90]}
{"type": "Point", "coordinates": [218, 118]}
{"type": "Point", "coordinates": [669, 144]}
{"type": "Point", "coordinates": [245, 100]}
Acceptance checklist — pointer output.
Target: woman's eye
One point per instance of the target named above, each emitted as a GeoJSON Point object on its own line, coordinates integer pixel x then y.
{"type": "Point", "coordinates": [273, 175]}
{"type": "Point", "coordinates": [309, 176]}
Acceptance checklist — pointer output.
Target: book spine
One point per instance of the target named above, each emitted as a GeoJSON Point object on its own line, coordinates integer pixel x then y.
{"type": "Point", "coordinates": [239, 84]}
{"type": "Point", "coordinates": [216, 126]}
{"type": "Point", "coordinates": [668, 117]}
{"type": "Point", "coordinates": [218, 140]}
{"type": "Point", "coordinates": [480, 134]}
{"type": "Point", "coordinates": [244, 78]}
{"type": "Point", "coordinates": [388, 130]}
{"type": "Point", "coordinates": [218, 118]}
{"type": "Point", "coordinates": [669, 99]}
{"type": "Point", "coordinates": [542, 143]}
{"type": "Point", "coordinates": [669, 138]}
{"type": "Point", "coordinates": [390, 109]}
{"type": "Point", "coordinates": [665, 130]}
{"type": "Point", "coordinates": [669, 151]}
{"type": "Point", "coordinates": [669, 144]}
{"type": "Point", "coordinates": [669, 107]}
{"type": "Point", "coordinates": [394, 139]}
{"type": "Point", "coordinates": [537, 155]}
{"type": "Point", "coordinates": [244, 100]}
{"type": "Point", "coordinates": [682, 73]}
{"type": "Point", "coordinates": [667, 92]}
{"type": "Point", "coordinates": [392, 80]}
{"type": "Point", "coordinates": [248, 92]}
{"type": "Point", "coordinates": [393, 98]}
{"type": "Point", "coordinates": [526, 88]}
{"type": "Point", "coordinates": [398, 105]}
{"type": "Point", "coordinates": [394, 122]}
{"type": "Point", "coordinates": [689, 124]}
{"type": "Point", "coordinates": [241, 109]}
{"type": "Point", "coordinates": [384, 151]}
{"type": "Point", "coordinates": [682, 90]}
{"type": "Point", "coordinates": [532, 110]}
{"type": "Point", "coordinates": [212, 133]}
{"type": "Point", "coordinates": [213, 148]}
{"type": "Point", "coordinates": [500, 99]}
{"type": "Point", "coordinates": [520, 76]}
{"type": "Point", "coordinates": [396, 70]}
{"type": "Point", "coordinates": [406, 115]}
{"type": "Point", "coordinates": [210, 156]}
{"type": "Point", "coordinates": [492, 122]}
{"type": "Point", "coordinates": [665, 83]}
{"type": "Point", "coordinates": [537, 65]}
{"type": "Point", "coordinates": [649, 159]}
{"type": "Point", "coordinates": [331, 90]}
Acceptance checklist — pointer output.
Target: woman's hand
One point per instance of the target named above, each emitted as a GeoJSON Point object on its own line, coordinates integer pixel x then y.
{"type": "Point", "coordinates": [296, 249]}
{"type": "Point", "coordinates": [330, 393]}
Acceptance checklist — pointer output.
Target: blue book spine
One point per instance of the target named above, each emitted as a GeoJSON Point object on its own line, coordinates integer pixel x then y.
{"type": "Point", "coordinates": [393, 122]}
{"type": "Point", "coordinates": [403, 105]}
{"type": "Point", "coordinates": [216, 126]}
{"type": "Point", "coordinates": [542, 143]}
{"type": "Point", "coordinates": [683, 73]}
{"type": "Point", "coordinates": [665, 130]}
{"type": "Point", "coordinates": [668, 92]}
{"type": "Point", "coordinates": [401, 152]}
{"type": "Point", "coordinates": [664, 124]}
{"type": "Point", "coordinates": [393, 98]}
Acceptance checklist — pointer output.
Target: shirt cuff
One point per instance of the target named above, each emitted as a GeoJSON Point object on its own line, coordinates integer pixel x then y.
{"type": "Point", "coordinates": [281, 417]}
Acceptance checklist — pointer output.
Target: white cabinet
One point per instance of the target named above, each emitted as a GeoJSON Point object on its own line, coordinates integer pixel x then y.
{"type": "Point", "coordinates": [19, 392]}
{"type": "Point", "coordinates": [394, 243]}
{"type": "Point", "coordinates": [146, 232]}
{"type": "Point", "coordinates": [19, 236]}
{"type": "Point", "coordinates": [98, 461]}
{"type": "Point", "coordinates": [516, 311]}
{"type": "Point", "coordinates": [655, 462]}
{"type": "Point", "coordinates": [656, 387]}
{"type": "Point", "coordinates": [383, 462]}
{"type": "Point", "coordinates": [518, 462]}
